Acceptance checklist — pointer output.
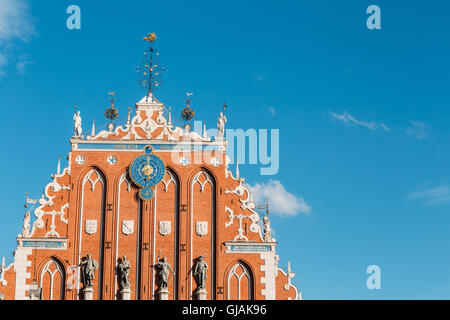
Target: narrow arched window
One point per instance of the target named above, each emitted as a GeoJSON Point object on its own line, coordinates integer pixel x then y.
{"type": "Point", "coordinates": [240, 282]}
{"type": "Point", "coordinates": [52, 280]}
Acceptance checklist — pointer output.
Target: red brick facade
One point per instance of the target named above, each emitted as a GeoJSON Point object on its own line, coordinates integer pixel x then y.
{"type": "Point", "coordinates": [93, 207]}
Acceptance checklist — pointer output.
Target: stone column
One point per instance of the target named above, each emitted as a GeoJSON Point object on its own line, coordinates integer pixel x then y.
{"type": "Point", "coordinates": [163, 294]}
{"type": "Point", "coordinates": [125, 294]}
{"type": "Point", "coordinates": [88, 293]}
{"type": "Point", "coordinates": [201, 294]}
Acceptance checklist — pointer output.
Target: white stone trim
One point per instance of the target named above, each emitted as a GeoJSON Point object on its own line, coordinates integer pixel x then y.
{"type": "Point", "coordinates": [288, 285]}
{"type": "Point", "coordinates": [21, 263]}
{"type": "Point", "coordinates": [270, 272]}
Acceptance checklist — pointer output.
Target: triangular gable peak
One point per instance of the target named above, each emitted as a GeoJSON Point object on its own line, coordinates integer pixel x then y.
{"type": "Point", "coordinates": [149, 123]}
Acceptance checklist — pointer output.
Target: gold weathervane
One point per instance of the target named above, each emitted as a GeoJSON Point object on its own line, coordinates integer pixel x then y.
{"type": "Point", "coordinates": [150, 69]}
{"type": "Point", "coordinates": [150, 37]}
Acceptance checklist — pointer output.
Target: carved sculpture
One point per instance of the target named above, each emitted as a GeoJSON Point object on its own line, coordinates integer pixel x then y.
{"type": "Point", "coordinates": [267, 230]}
{"type": "Point", "coordinates": [124, 272]}
{"type": "Point", "coordinates": [221, 126]}
{"type": "Point", "coordinates": [77, 125]}
{"type": "Point", "coordinates": [163, 268]}
{"type": "Point", "coordinates": [26, 225]}
{"type": "Point", "coordinates": [88, 267]}
{"type": "Point", "coordinates": [200, 274]}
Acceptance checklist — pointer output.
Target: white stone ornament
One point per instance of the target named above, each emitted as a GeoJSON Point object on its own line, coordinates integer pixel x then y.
{"type": "Point", "coordinates": [77, 126]}
{"type": "Point", "coordinates": [80, 160]}
{"type": "Point", "coordinates": [112, 160]}
{"type": "Point", "coordinates": [221, 127]}
{"type": "Point", "coordinates": [201, 228]}
{"type": "Point", "coordinates": [185, 161]}
{"type": "Point", "coordinates": [215, 162]}
{"type": "Point", "coordinates": [90, 226]}
{"type": "Point", "coordinates": [127, 227]}
{"type": "Point", "coordinates": [165, 228]}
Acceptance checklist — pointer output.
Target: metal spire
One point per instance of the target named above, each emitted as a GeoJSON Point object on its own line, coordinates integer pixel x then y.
{"type": "Point", "coordinates": [111, 113]}
{"type": "Point", "coordinates": [264, 206]}
{"type": "Point", "coordinates": [150, 70]}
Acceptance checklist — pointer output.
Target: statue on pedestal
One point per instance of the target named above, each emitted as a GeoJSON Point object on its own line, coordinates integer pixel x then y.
{"type": "Point", "coordinates": [77, 125]}
{"type": "Point", "coordinates": [267, 230]}
{"type": "Point", "coordinates": [200, 274]}
{"type": "Point", "coordinates": [88, 267]}
{"type": "Point", "coordinates": [26, 225]}
{"type": "Point", "coordinates": [221, 126]}
{"type": "Point", "coordinates": [163, 268]}
{"type": "Point", "coordinates": [124, 272]}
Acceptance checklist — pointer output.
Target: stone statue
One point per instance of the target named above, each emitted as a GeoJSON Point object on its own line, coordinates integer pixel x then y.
{"type": "Point", "coordinates": [26, 225]}
{"type": "Point", "coordinates": [88, 267]}
{"type": "Point", "coordinates": [221, 126]}
{"type": "Point", "coordinates": [163, 268]}
{"type": "Point", "coordinates": [124, 272]}
{"type": "Point", "coordinates": [77, 125]}
{"type": "Point", "coordinates": [200, 272]}
{"type": "Point", "coordinates": [267, 230]}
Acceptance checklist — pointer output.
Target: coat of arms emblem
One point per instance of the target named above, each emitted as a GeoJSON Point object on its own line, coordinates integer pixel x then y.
{"type": "Point", "coordinates": [164, 227]}
{"type": "Point", "coordinates": [90, 226]}
{"type": "Point", "coordinates": [201, 228]}
{"type": "Point", "coordinates": [127, 226]}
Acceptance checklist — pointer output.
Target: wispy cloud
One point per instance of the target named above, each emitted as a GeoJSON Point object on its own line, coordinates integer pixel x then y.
{"type": "Point", "coordinates": [434, 195]}
{"type": "Point", "coordinates": [258, 76]}
{"type": "Point", "coordinates": [418, 129]}
{"type": "Point", "coordinates": [272, 111]}
{"type": "Point", "coordinates": [22, 63]}
{"type": "Point", "coordinates": [347, 119]}
{"type": "Point", "coordinates": [281, 201]}
{"type": "Point", "coordinates": [16, 26]}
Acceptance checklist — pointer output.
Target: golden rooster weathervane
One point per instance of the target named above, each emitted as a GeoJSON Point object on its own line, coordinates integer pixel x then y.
{"type": "Point", "coordinates": [150, 71]}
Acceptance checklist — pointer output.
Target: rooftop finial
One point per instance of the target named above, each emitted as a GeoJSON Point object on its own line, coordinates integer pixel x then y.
{"type": "Point", "coordinates": [188, 113]}
{"type": "Point", "coordinates": [204, 130]}
{"type": "Point", "coordinates": [150, 70]}
{"type": "Point", "coordinates": [111, 113]}
{"type": "Point", "coordinates": [58, 169]}
{"type": "Point", "coordinates": [129, 116]}
{"type": "Point", "coordinates": [93, 128]}
{"type": "Point", "coordinates": [170, 117]}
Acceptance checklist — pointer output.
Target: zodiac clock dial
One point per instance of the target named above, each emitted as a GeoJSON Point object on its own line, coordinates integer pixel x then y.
{"type": "Point", "coordinates": [146, 171]}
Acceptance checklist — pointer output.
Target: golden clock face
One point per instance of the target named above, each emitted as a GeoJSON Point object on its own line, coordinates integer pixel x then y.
{"type": "Point", "coordinates": [147, 170]}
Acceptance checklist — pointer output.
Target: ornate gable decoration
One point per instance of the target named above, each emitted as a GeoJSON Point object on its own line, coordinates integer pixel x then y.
{"type": "Point", "coordinates": [149, 123]}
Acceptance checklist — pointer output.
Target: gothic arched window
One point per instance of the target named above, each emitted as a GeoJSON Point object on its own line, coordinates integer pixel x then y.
{"type": "Point", "coordinates": [52, 281]}
{"type": "Point", "coordinates": [240, 282]}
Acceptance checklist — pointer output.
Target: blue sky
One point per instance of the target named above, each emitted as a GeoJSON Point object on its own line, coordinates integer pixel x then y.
{"type": "Point", "coordinates": [363, 118]}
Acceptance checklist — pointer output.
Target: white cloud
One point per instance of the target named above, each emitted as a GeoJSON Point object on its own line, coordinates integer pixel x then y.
{"type": "Point", "coordinates": [22, 63]}
{"type": "Point", "coordinates": [349, 120]}
{"type": "Point", "coordinates": [272, 111]}
{"type": "Point", "coordinates": [16, 25]}
{"type": "Point", "coordinates": [281, 202]}
{"type": "Point", "coordinates": [418, 129]}
{"type": "Point", "coordinates": [258, 76]}
{"type": "Point", "coordinates": [434, 195]}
